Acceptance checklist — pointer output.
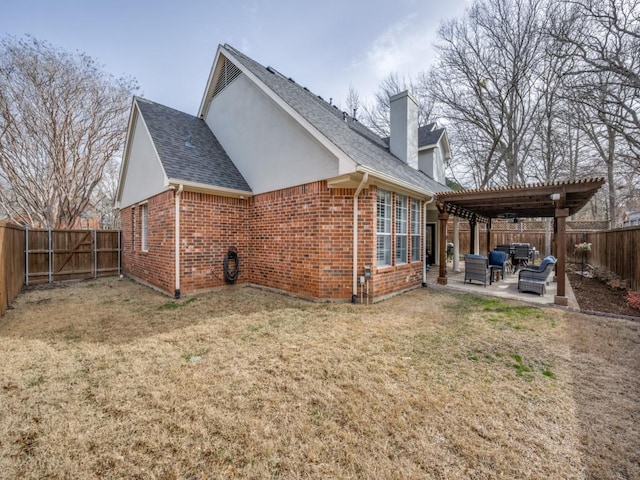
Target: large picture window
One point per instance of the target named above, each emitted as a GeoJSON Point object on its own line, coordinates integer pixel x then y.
{"type": "Point", "coordinates": [383, 221]}
{"type": "Point", "coordinates": [144, 228]}
{"type": "Point", "coordinates": [416, 223]}
{"type": "Point", "coordinates": [401, 229]}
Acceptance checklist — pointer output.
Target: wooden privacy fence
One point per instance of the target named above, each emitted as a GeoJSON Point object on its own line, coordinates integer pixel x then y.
{"type": "Point", "coordinates": [12, 244]}
{"type": "Point", "coordinates": [617, 250]}
{"type": "Point", "coordinates": [56, 255]}
{"type": "Point", "coordinates": [41, 256]}
{"type": "Point", "coordinates": [532, 232]}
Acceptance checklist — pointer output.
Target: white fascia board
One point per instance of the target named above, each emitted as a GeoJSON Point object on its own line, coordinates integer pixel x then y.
{"type": "Point", "coordinates": [388, 181]}
{"type": "Point", "coordinates": [447, 146]}
{"type": "Point", "coordinates": [210, 189]}
{"type": "Point", "coordinates": [134, 117]}
{"type": "Point", "coordinates": [202, 111]}
{"type": "Point", "coordinates": [155, 150]}
{"type": "Point", "coordinates": [133, 114]}
{"type": "Point", "coordinates": [433, 146]}
{"type": "Point", "coordinates": [343, 158]}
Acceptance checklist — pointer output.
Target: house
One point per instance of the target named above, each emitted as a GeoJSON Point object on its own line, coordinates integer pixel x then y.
{"type": "Point", "coordinates": [631, 218]}
{"type": "Point", "coordinates": [314, 202]}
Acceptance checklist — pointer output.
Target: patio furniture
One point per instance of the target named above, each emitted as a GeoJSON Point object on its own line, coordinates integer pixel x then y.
{"type": "Point", "coordinates": [508, 250]}
{"type": "Point", "coordinates": [521, 254]}
{"type": "Point", "coordinates": [476, 268]}
{"type": "Point", "coordinates": [497, 262]}
{"type": "Point", "coordinates": [535, 279]}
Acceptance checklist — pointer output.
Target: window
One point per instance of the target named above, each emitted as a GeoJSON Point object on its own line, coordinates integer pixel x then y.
{"type": "Point", "coordinates": [416, 224]}
{"type": "Point", "coordinates": [401, 229]}
{"type": "Point", "coordinates": [383, 239]}
{"type": "Point", "coordinates": [144, 228]}
{"type": "Point", "coordinates": [133, 228]}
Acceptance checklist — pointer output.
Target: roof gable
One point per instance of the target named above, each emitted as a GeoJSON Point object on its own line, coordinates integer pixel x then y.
{"type": "Point", "coordinates": [429, 135]}
{"type": "Point", "coordinates": [362, 146]}
{"type": "Point", "coordinates": [187, 148]}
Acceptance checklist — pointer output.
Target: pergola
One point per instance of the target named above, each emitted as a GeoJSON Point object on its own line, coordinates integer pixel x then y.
{"type": "Point", "coordinates": [557, 200]}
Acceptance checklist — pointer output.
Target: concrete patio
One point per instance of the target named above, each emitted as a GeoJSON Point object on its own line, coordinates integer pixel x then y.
{"type": "Point", "coordinates": [504, 288]}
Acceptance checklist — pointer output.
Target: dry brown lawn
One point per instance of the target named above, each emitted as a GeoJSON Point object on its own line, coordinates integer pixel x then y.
{"type": "Point", "coordinates": [108, 379]}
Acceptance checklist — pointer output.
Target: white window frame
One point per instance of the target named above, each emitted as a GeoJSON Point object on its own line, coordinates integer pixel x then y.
{"type": "Point", "coordinates": [383, 228]}
{"type": "Point", "coordinates": [144, 227]}
{"type": "Point", "coordinates": [402, 220]}
{"type": "Point", "coordinates": [416, 227]}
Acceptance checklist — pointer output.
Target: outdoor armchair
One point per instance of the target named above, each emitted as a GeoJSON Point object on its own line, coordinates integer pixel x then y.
{"type": "Point", "coordinates": [498, 261]}
{"type": "Point", "coordinates": [535, 279]}
{"type": "Point", "coordinates": [476, 267]}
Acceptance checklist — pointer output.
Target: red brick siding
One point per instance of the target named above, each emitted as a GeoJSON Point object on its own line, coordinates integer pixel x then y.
{"type": "Point", "coordinates": [155, 266]}
{"type": "Point", "coordinates": [395, 278]}
{"type": "Point", "coordinates": [298, 239]}
{"type": "Point", "coordinates": [209, 225]}
{"type": "Point", "coordinates": [285, 238]}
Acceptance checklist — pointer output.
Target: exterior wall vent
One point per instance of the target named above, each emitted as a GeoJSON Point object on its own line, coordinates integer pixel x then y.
{"type": "Point", "coordinates": [228, 73]}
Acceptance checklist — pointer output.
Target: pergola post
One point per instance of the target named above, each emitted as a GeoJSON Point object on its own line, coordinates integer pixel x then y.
{"type": "Point", "coordinates": [472, 235]}
{"type": "Point", "coordinates": [456, 244]}
{"type": "Point", "coordinates": [443, 217]}
{"type": "Point", "coordinates": [488, 236]}
{"type": "Point", "coordinates": [561, 215]}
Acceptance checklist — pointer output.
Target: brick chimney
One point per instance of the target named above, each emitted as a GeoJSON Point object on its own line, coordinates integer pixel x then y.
{"type": "Point", "coordinates": [403, 142]}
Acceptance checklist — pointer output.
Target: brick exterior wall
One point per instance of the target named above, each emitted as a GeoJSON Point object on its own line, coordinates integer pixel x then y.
{"type": "Point", "coordinates": [156, 265]}
{"type": "Point", "coordinates": [297, 239]}
{"type": "Point", "coordinates": [301, 240]}
{"type": "Point", "coordinates": [389, 279]}
{"type": "Point", "coordinates": [209, 225]}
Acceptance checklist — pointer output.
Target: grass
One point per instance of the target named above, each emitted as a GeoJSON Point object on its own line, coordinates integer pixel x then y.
{"type": "Point", "coordinates": [99, 379]}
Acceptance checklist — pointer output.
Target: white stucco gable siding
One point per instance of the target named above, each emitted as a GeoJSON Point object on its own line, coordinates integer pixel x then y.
{"type": "Point", "coordinates": [438, 164]}
{"type": "Point", "coordinates": [432, 162]}
{"type": "Point", "coordinates": [270, 149]}
{"type": "Point", "coordinates": [144, 176]}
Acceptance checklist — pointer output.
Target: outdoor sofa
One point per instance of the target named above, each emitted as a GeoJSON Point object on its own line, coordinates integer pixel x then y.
{"type": "Point", "coordinates": [535, 279]}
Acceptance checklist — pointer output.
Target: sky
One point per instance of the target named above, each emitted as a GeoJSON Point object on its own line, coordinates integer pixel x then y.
{"type": "Point", "coordinates": [169, 46]}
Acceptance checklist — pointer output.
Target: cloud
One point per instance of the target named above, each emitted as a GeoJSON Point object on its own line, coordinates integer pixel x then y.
{"type": "Point", "coordinates": [405, 47]}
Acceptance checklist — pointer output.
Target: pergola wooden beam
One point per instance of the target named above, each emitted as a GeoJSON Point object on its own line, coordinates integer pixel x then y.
{"type": "Point", "coordinates": [557, 200]}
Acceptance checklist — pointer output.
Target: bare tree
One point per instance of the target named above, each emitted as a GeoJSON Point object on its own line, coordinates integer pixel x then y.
{"type": "Point", "coordinates": [353, 102]}
{"type": "Point", "coordinates": [62, 120]}
{"type": "Point", "coordinates": [376, 114]}
{"type": "Point", "coordinates": [104, 197]}
{"type": "Point", "coordinates": [603, 37]}
{"type": "Point", "coordinates": [486, 81]}
{"type": "Point", "coordinates": [601, 40]}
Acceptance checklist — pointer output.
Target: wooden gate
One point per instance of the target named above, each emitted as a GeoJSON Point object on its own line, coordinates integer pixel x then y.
{"type": "Point", "coordinates": [56, 255]}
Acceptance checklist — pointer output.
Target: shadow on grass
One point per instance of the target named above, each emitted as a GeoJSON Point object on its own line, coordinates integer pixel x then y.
{"type": "Point", "coordinates": [113, 311]}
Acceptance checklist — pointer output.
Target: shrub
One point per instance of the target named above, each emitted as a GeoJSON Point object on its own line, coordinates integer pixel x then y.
{"type": "Point", "coordinates": [633, 299]}
{"type": "Point", "coordinates": [608, 277]}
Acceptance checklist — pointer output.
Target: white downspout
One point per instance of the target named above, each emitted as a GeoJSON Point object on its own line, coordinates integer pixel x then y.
{"type": "Point", "coordinates": [424, 236]}
{"type": "Point", "coordinates": [177, 241]}
{"type": "Point", "coordinates": [354, 296]}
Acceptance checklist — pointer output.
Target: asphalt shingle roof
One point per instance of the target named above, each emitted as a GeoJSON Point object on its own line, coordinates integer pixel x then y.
{"type": "Point", "coordinates": [188, 149]}
{"type": "Point", "coordinates": [349, 135]}
{"type": "Point", "coordinates": [429, 135]}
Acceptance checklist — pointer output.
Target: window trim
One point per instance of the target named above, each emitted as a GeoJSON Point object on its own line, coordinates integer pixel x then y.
{"type": "Point", "coordinates": [401, 229]}
{"type": "Point", "coordinates": [144, 227]}
{"type": "Point", "coordinates": [386, 220]}
{"type": "Point", "coordinates": [416, 230]}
